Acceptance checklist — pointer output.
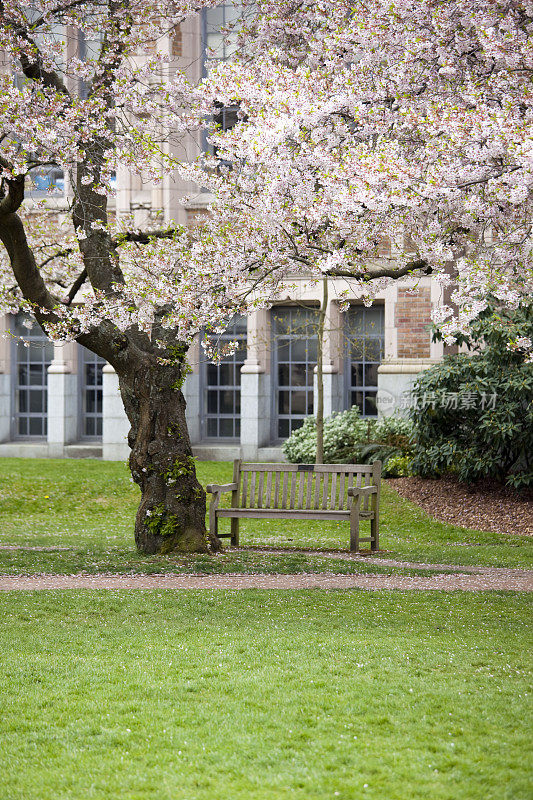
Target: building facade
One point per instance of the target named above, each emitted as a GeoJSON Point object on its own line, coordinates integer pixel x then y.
{"type": "Point", "coordinates": [59, 400]}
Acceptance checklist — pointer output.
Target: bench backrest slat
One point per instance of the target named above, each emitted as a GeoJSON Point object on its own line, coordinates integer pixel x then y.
{"type": "Point", "coordinates": [268, 491]}
{"type": "Point", "coordinates": [276, 489]}
{"type": "Point", "coordinates": [320, 487]}
{"type": "Point", "coordinates": [325, 490]}
{"type": "Point", "coordinates": [333, 496]}
{"type": "Point", "coordinates": [342, 478]}
{"type": "Point", "coordinates": [260, 490]}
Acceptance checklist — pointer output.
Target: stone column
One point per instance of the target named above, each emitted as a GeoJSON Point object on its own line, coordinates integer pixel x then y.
{"type": "Point", "coordinates": [396, 377]}
{"type": "Point", "coordinates": [116, 425]}
{"type": "Point", "coordinates": [191, 392]}
{"type": "Point", "coordinates": [5, 381]}
{"type": "Point", "coordinates": [63, 404]}
{"type": "Point", "coordinates": [256, 402]}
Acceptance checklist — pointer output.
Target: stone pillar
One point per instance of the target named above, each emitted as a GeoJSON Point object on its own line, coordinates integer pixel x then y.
{"type": "Point", "coordinates": [5, 380]}
{"type": "Point", "coordinates": [63, 405]}
{"type": "Point", "coordinates": [256, 401]}
{"type": "Point", "coordinates": [191, 392]}
{"type": "Point", "coordinates": [396, 377]}
{"type": "Point", "coordinates": [116, 425]}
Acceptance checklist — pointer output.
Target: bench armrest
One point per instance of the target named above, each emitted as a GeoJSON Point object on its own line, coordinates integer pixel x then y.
{"type": "Point", "coordinates": [362, 490]}
{"type": "Point", "coordinates": [215, 488]}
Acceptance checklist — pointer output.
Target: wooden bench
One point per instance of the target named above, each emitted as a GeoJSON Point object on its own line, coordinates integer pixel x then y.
{"type": "Point", "coordinates": [301, 491]}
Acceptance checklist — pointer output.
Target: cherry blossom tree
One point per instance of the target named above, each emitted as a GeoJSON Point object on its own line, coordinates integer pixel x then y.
{"type": "Point", "coordinates": [362, 124]}
{"type": "Point", "coordinates": [134, 297]}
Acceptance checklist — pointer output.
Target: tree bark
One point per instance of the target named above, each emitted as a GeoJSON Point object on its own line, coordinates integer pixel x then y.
{"type": "Point", "coordinates": [171, 514]}
{"type": "Point", "coordinates": [320, 375]}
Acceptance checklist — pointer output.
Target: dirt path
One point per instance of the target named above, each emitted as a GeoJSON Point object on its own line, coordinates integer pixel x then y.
{"type": "Point", "coordinates": [488, 580]}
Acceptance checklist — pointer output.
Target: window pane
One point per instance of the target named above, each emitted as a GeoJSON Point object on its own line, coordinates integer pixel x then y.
{"type": "Point", "coordinates": [23, 405]}
{"type": "Point", "coordinates": [371, 408]}
{"type": "Point", "coordinates": [226, 402]}
{"type": "Point", "coordinates": [299, 403]}
{"type": "Point", "coordinates": [357, 400]}
{"type": "Point", "coordinates": [212, 374]}
{"type": "Point", "coordinates": [299, 375]}
{"type": "Point", "coordinates": [36, 426]}
{"type": "Point", "coordinates": [300, 350]}
{"type": "Point", "coordinates": [212, 402]}
{"type": "Point", "coordinates": [37, 375]}
{"type": "Point", "coordinates": [371, 374]}
{"type": "Point", "coordinates": [283, 375]}
{"type": "Point", "coordinates": [284, 402]}
{"type": "Point", "coordinates": [357, 374]}
{"type": "Point", "coordinates": [36, 402]}
{"type": "Point", "coordinates": [283, 428]}
{"type": "Point", "coordinates": [372, 350]}
{"type": "Point", "coordinates": [226, 427]}
{"type": "Point", "coordinates": [212, 427]}
{"type": "Point", "coordinates": [225, 375]}
{"type": "Point", "coordinates": [284, 350]}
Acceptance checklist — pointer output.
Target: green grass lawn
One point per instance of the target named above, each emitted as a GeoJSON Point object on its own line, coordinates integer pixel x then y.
{"type": "Point", "coordinates": [88, 507]}
{"type": "Point", "coordinates": [259, 695]}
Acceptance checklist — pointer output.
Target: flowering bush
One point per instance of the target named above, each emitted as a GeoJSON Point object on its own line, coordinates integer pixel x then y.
{"type": "Point", "coordinates": [348, 438]}
{"type": "Point", "coordinates": [473, 414]}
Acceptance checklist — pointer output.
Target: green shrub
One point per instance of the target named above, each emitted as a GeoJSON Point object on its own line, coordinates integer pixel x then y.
{"type": "Point", "coordinates": [473, 414]}
{"type": "Point", "coordinates": [350, 439]}
{"type": "Point", "coordinates": [399, 467]}
{"type": "Point", "coordinates": [342, 434]}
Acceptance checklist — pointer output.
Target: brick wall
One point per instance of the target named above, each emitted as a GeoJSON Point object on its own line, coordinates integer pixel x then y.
{"type": "Point", "coordinates": [177, 41]}
{"type": "Point", "coordinates": [413, 316]}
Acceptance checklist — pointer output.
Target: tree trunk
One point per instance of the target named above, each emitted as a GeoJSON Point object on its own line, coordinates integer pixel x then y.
{"type": "Point", "coordinates": [171, 515]}
{"type": "Point", "coordinates": [320, 375]}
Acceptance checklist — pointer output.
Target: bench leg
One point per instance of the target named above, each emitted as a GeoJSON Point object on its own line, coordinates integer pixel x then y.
{"type": "Point", "coordinates": [374, 531]}
{"type": "Point", "coordinates": [213, 519]}
{"type": "Point", "coordinates": [354, 525]}
{"type": "Point", "coordinates": [235, 532]}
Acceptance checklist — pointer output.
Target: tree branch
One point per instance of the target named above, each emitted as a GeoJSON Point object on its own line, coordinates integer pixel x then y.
{"type": "Point", "coordinates": [59, 254]}
{"type": "Point", "coordinates": [144, 237]}
{"type": "Point", "coordinates": [383, 272]}
{"type": "Point", "coordinates": [76, 286]}
{"type": "Point", "coordinates": [33, 68]}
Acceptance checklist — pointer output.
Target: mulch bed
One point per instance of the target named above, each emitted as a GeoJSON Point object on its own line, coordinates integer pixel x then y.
{"type": "Point", "coordinates": [485, 506]}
